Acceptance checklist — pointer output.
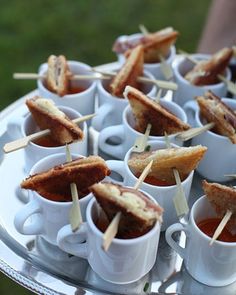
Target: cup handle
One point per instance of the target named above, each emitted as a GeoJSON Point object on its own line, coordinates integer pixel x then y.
{"type": "Point", "coordinates": [73, 242]}
{"type": "Point", "coordinates": [169, 232]}
{"type": "Point", "coordinates": [114, 150]}
{"type": "Point", "coordinates": [14, 127]}
{"type": "Point", "coordinates": [101, 114]}
{"type": "Point", "coordinates": [118, 167]}
{"type": "Point", "coordinates": [190, 108]}
{"type": "Point", "coordinates": [34, 228]}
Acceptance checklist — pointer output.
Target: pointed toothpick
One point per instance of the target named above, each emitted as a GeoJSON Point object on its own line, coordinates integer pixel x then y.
{"type": "Point", "coordinates": [221, 226]}
{"type": "Point", "coordinates": [112, 229]}
{"type": "Point", "coordinates": [188, 134]}
{"type": "Point", "coordinates": [75, 212]}
{"type": "Point", "coordinates": [158, 97]}
{"type": "Point", "coordinates": [141, 141]}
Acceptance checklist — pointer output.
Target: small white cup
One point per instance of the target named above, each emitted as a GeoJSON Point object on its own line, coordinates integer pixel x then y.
{"type": "Point", "coordinates": [127, 134]}
{"type": "Point", "coordinates": [42, 216]}
{"type": "Point", "coordinates": [186, 91]}
{"type": "Point", "coordinates": [111, 107]}
{"type": "Point", "coordinates": [23, 126]}
{"type": "Point", "coordinates": [221, 152]}
{"type": "Point", "coordinates": [126, 261]}
{"type": "Point", "coordinates": [211, 265]}
{"type": "Point", "coordinates": [154, 68]}
{"type": "Point", "coordinates": [162, 194]}
{"type": "Point", "coordinates": [83, 101]}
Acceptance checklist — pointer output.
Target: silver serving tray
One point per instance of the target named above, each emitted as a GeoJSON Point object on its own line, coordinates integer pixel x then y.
{"type": "Point", "coordinates": [45, 269]}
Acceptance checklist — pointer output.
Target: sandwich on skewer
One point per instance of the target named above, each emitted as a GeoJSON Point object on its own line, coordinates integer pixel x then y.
{"type": "Point", "coordinates": [206, 72]}
{"type": "Point", "coordinates": [54, 184]}
{"type": "Point", "coordinates": [213, 109]}
{"type": "Point", "coordinates": [48, 116]}
{"type": "Point", "coordinates": [58, 75]}
{"type": "Point", "coordinates": [155, 44]}
{"type": "Point", "coordinates": [146, 111]}
{"type": "Point", "coordinates": [138, 213]}
{"type": "Point", "coordinates": [222, 199]}
{"type": "Point", "coordinates": [129, 73]}
{"type": "Point", "coordinates": [183, 159]}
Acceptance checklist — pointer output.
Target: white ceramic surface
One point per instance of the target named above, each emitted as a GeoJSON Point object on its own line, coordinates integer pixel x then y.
{"type": "Point", "coordinates": [211, 265]}
{"type": "Point", "coordinates": [162, 194]}
{"type": "Point", "coordinates": [126, 260]}
{"type": "Point", "coordinates": [42, 216]}
{"type": "Point", "coordinates": [111, 107]}
{"type": "Point", "coordinates": [221, 152]}
{"type": "Point", "coordinates": [83, 101]}
{"type": "Point", "coordinates": [186, 91]}
{"type": "Point", "coordinates": [23, 126]}
{"type": "Point", "coordinates": [127, 134]}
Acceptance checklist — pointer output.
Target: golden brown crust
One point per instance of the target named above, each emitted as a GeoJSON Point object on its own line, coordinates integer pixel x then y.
{"type": "Point", "coordinates": [206, 72]}
{"type": "Point", "coordinates": [147, 111]}
{"type": "Point", "coordinates": [184, 159]}
{"type": "Point", "coordinates": [214, 110]}
{"type": "Point", "coordinates": [222, 198]}
{"type": "Point", "coordinates": [114, 198]}
{"type": "Point", "coordinates": [128, 74]}
{"type": "Point", "coordinates": [58, 75]}
{"type": "Point", "coordinates": [54, 184]}
{"type": "Point", "coordinates": [63, 130]}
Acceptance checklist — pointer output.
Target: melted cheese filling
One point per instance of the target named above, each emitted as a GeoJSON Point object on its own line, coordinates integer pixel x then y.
{"type": "Point", "coordinates": [49, 106]}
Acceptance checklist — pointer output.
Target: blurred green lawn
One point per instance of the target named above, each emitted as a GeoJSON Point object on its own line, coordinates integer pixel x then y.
{"type": "Point", "coordinates": [81, 30]}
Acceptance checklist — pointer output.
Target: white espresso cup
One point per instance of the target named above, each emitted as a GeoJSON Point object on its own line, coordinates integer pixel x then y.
{"type": "Point", "coordinates": [221, 152]}
{"type": "Point", "coordinates": [82, 101]}
{"type": "Point", "coordinates": [154, 68]}
{"type": "Point", "coordinates": [127, 134]}
{"type": "Point", "coordinates": [162, 194]}
{"type": "Point", "coordinates": [211, 265]}
{"type": "Point", "coordinates": [24, 126]}
{"type": "Point", "coordinates": [42, 216]}
{"type": "Point", "coordinates": [187, 91]}
{"type": "Point", "coordinates": [110, 108]}
{"type": "Point", "coordinates": [126, 261]}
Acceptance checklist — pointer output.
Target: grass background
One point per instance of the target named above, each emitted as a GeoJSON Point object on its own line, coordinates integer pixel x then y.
{"type": "Point", "coordinates": [81, 30]}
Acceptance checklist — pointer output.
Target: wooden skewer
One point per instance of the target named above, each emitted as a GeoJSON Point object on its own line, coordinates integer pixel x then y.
{"type": "Point", "coordinates": [143, 29]}
{"type": "Point", "coordinates": [75, 212]}
{"type": "Point", "coordinates": [180, 202]}
{"type": "Point", "coordinates": [160, 83]}
{"type": "Point", "coordinates": [141, 142]}
{"type": "Point", "coordinates": [35, 76]}
{"type": "Point", "coordinates": [221, 226]}
{"type": "Point", "coordinates": [23, 142]}
{"type": "Point", "coordinates": [230, 85]}
{"type": "Point", "coordinates": [112, 229]}
{"type": "Point", "coordinates": [188, 134]}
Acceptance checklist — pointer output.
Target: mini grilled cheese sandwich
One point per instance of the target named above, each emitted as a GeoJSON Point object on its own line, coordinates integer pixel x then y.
{"type": "Point", "coordinates": [184, 159]}
{"type": "Point", "coordinates": [54, 184]}
{"type": "Point", "coordinates": [48, 116]}
{"type": "Point", "coordinates": [222, 198]}
{"type": "Point", "coordinates": [147, 111]}
{"type": "Point", "coordinates": [139, 214]}
{"type": "Point", "coordinates": [206, 72]}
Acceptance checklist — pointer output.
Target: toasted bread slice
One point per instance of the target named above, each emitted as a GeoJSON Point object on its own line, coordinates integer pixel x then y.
{"type": "Point", "coordinates": [54, 184]}
{"type": "Point", "coordinates": [222, 198]}
{"type": "Point", "coordinates": [154, 44]}
{"type": "Point", "coordinates": [58, 75]}
{"type": "Point", "coordinates": [214, 110]}
{"type": "Point", "coordinates": [184, 159]}
{"type": "Point", "coordinates": [139, 214]}
{"type": "Point", "coordinates": [206, 72]}
{"type": "Point", "coordinates": [128, 74]}
{"type": "Point", "coordinates": [146, 110]}
{"type": "Point", "coordinates": [48, 116]}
